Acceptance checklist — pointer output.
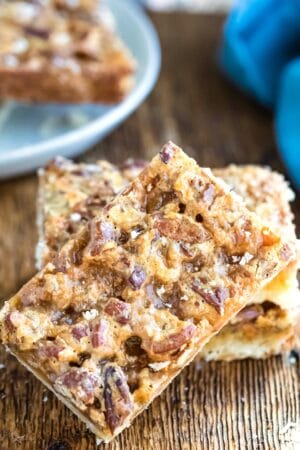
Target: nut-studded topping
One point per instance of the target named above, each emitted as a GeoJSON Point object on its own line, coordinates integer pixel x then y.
{"type": "Point", "coordinates": [215, 298]}
{"type": "Point", "coordinates": [101, 232]}
{"type": "Point", "coordinates": [80, 382]}
{"type": "Point", "coordinates": [99, 333]}
{"type": "Point", "coordinates": [173, 342]}
{"type": "Point", "coordinates": [137, 278]}
{"type": "Point", "coordinates": [182, 230]}
{"type": "Point", "coordinates": [49, 351]}
{"type": "Point", "coordinates": [166, 153]}
{"type": "Point", "coordinates": [80, 331]}
{"type": "Point", "coordinates": [209, 193]}
{"type": "Point", "coordinates": [119, 310]}
{"type": "Point", "coordinates": [117, 398]}
{"type": "Point", "coordinates": [12, 320]}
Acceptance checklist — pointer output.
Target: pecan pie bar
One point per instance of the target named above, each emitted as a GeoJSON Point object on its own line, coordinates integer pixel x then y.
{"type": "Point", "coordinates": [131, 299]}
{"type": "Point", "coordinates": [71, 194]}
{"type": "Point", "coordinates": [268, 325]}
{"type": "Point", "coordinates": [49, 54]}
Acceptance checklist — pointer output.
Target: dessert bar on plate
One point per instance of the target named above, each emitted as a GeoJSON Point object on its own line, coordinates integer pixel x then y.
{"type": "Point", "coordinates": [71, 194]}
{"type": "Point", "coordinates": [48, 54]}
{"type": "Point", "coordinates": [90, 324]}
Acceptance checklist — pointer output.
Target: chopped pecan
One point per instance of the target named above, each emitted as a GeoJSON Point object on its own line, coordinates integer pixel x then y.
{"type": "Point", "coordinates": [242, 233]}
{"type": "Point", "coordinates": [157, 200]}
{"type": "Point", "coordinates": [155, 300]}
{"type": "Point", "coordinates": [119, 310]}
{"type": "Point", "coordinates": [166, 153]}
{"type": "Point", "coordinates": [101, 232]}
{"type": "Point", "coordinates": [117, 398]}
{"type": "Point", "coordinates": [137, 278]}
{"type": "Point", "coordinates": [99, 333]}
{"type": "Point", "coordinates": [80, 331]}
{"type": "Point", "coordinates": [31, 295]}
{"type": "Point", "coordinates": [182, 230]}
{"type": "Point", "coordinates": [81, 383]}
{"type": "Point", "coordinates": [186, 250]}
{"type": "Point", "coordinates": [209, 193]}
{"type": "Point", "coordinates": [12, 320]}
{"type": "Point", "coordinates": [215, 298]}
{"type": "Point", "coordinates": [41, 33]}
{"type": "Point", "coordinates": [49, 351]}
{"type": "Point", "coordinates": [173, 341]}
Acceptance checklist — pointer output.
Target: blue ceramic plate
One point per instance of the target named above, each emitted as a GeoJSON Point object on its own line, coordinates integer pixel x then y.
{"type": "Point", "coordinates": [30, 135]}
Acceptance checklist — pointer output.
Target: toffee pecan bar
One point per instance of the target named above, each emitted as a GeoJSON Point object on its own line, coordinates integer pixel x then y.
{"type": "Point", "coordinates": [268, 325]}
{"type": "Point", "coordinates": [132, 299]}
{"type": "Point", "coordinates": [71, 194]}
{"type": "Point", "coordinates": [49, 54]}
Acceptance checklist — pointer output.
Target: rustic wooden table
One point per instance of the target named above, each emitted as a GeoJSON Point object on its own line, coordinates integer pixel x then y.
{"type": "Point", "coordinates": [242, 405]}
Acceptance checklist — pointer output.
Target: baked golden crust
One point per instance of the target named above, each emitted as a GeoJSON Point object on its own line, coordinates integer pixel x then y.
{"type": "Point", "coordinates": [132, 299]}
{"type": "Point", "coordinates": [50, 55]}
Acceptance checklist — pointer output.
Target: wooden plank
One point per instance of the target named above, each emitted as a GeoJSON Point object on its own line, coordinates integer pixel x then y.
{"type": "Point", "coordinates": [210, 406]}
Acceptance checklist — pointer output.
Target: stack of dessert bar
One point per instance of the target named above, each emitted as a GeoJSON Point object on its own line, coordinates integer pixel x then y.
{"type": "Point", "coordinates": [62, 51]}
{"type": "Point", "coordinates": [145, 266]}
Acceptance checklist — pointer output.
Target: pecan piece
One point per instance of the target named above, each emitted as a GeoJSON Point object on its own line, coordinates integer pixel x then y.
{"type": "Point", "coordinates": [80, 331]}
{"type": "Point", "coordinates": [155, 300]}
{"type": "Point", "coordinates": [215, 298]}
{"type": "Point", "coordinates": [101, 232]}
{"type": "Point", "coordinates": [166, 153]}
{"type": "Point", "coordinates": [49, 351]}
{"type": "Point", "coordinates": [41, 33]}
{"type": "Point", "coordinates": [117, 398]}
{"type": "Point", "coordinates": [173, 342]}
{"type": "Point", "coordinates": [182, 230]}
{"type": "Point", "coordinates": [31, 295]}
{"type": "Point", "coordinates": [119, 310]}
{"type": "Point", "coordinates": [137, 278]}
{"type": "Point", "coordinates": [81, 383]}
{"type": "Point", "coordinates": [99, 333]}
{"type": "Point", "coordinates": [13, 320]}
{"type": "Point", "coordinates": [209, 193]}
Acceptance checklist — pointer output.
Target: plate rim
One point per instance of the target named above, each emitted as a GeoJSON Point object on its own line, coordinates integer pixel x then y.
{"type": "Point", "coordinates": [120, 112]}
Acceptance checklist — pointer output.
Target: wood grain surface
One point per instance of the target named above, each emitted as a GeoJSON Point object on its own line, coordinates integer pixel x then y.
{"type": "Point", "coordinates": [242, 405]}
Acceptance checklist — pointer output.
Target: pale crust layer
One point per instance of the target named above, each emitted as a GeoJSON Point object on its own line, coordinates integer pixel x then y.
{"type": "Point", "coordinates": [134, 297]}
{"type": "Point", "coordinates": [66, 188]}
{"type": "Point", "coordinates": [50, 52]}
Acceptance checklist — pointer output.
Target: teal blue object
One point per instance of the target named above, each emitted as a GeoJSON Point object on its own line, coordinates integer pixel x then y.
{"type": "Point", "coordinates": [287, 119]}
{"type": "Point", "coordinates": [260, 38]}
{"type": "Point", "coordinates": [260, 53]}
